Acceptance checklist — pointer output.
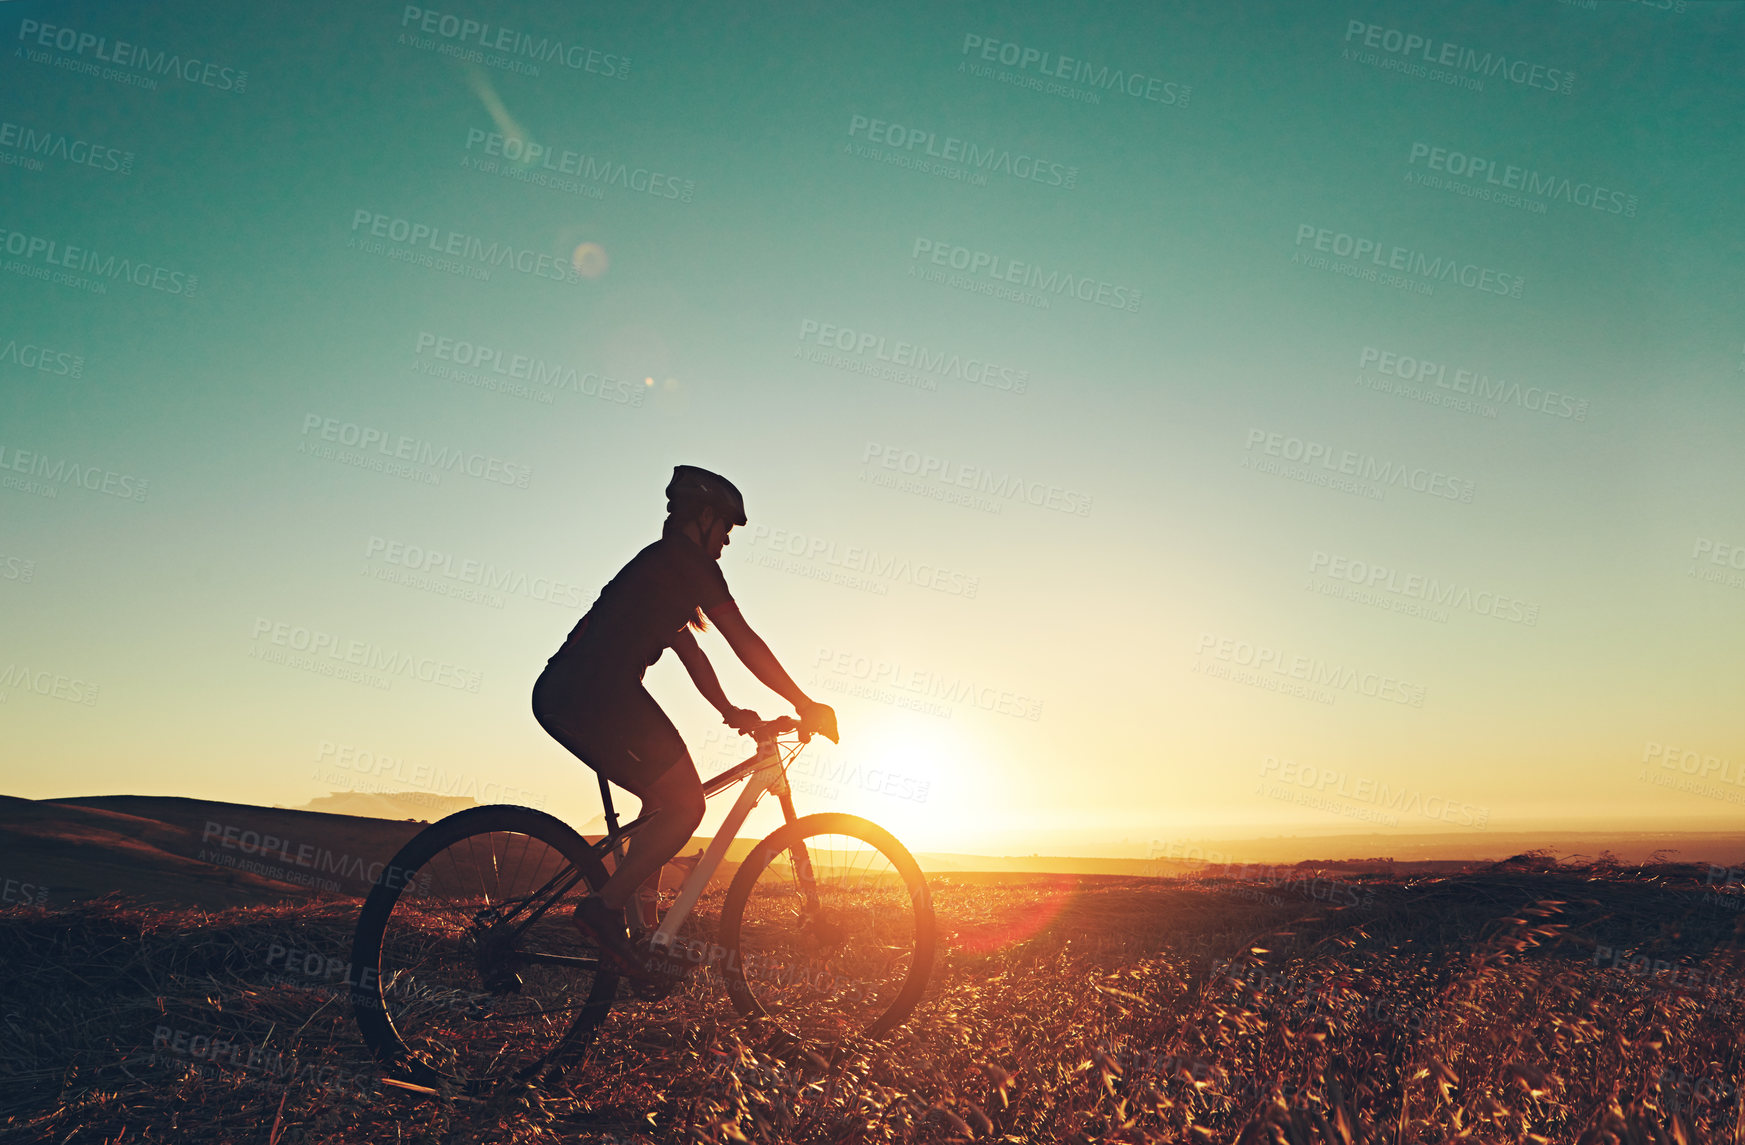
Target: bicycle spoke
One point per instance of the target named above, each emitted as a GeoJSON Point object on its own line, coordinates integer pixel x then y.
{"type": "Point", "coordinates": [479, 975]}
{"type": "Point", "coordinates": [828, 937]}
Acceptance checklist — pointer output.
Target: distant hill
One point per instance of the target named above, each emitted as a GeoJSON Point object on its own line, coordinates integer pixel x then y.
{"type": "Point", "coordinates": [199, 852]}
{"type": "Point", "coordinates": [176, 851]}
{"type": "Point", "coordinates": [390, 804]}
{"type": "Point", "coordinates": [1445, 853]}
{"type": "Point", "coordinates": [947, 863]}
{"type": "Point", "coordinates": [190, 851]}
{"type": "Point", "coordinates": [1723, 848]}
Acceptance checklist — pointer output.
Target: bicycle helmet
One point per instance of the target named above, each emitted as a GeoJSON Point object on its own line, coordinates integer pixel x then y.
{"type": "Point", "coordinates": [692, 487]}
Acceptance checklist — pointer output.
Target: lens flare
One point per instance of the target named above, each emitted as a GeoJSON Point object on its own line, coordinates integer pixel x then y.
{"type": "Point", "coordinates": [1025, 910]}
{"type": "Point", "coordinates": [589, 260]}
{"type": "Point", "coordinates": [481, 85]}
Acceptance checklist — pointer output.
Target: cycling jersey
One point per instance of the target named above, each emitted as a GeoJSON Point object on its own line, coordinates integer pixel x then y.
{"type": "Point", "coordinates": [641, 609]}
{"type": "Point", "coordinates": [590, 697]}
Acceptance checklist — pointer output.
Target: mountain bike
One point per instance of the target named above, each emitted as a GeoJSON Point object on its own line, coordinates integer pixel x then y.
{"type": "Point", "coordinates": [467, 970]}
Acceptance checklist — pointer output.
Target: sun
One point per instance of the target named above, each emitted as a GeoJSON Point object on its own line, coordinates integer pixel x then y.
{"type": "Point", "coordinates": [905, 761]}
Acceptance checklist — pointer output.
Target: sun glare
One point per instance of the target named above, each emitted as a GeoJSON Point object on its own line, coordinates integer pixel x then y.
{"type": "Point", "coordinates": [898, 772]}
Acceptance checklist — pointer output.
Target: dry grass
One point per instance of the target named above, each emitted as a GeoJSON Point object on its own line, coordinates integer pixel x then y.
{"type": "Point", "coordinates": [1472, 1008]}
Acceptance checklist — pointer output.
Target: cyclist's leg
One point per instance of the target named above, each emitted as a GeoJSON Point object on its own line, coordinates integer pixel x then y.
{"type": "Point", "coordinates": [620, 732]}
{"type": "Point", "coordinates": [676, 799]}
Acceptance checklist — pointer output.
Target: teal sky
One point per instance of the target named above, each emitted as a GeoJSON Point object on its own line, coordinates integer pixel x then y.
{"type": "Point", "coordinates": [1111, 623]}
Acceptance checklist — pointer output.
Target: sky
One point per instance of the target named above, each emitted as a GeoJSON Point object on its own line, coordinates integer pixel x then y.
{"type": "Point", "coordinates": [1164, 423]}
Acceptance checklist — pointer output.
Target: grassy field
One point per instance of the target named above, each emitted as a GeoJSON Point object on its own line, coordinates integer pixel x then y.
{"type": "Point", "coordinates": [1527, 1002]}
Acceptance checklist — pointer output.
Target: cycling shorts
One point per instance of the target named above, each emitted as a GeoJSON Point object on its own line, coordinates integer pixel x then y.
{"type": "Point", "coordinates": [609, 722]}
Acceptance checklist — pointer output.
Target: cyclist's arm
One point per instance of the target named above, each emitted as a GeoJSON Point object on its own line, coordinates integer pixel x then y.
{"type": "Point", "coordinates": [755, 654]}
{"type": "Point", "coordinates": [702, 672]}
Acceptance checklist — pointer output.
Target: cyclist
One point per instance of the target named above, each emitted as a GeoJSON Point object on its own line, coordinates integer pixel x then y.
{"type": "Point", "coordinates": [591, 700]}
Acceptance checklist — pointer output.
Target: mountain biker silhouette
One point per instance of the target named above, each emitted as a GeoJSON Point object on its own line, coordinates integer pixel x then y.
{"type": "Point", "coordinates": [591, 700]}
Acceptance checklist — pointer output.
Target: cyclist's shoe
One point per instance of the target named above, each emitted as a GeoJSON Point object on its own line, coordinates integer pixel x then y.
{"type": "Point", "coordinates": [604, 927]}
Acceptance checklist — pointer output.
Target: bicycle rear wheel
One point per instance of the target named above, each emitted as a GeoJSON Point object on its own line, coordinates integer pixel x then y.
{"type": "Point", "coordinates": [829, 930]}
{"type": "Point", "coordinates": [466, 968]}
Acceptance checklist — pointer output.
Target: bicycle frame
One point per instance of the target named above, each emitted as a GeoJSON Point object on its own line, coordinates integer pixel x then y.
{"type": "Point", "coordinates": [767, 769]}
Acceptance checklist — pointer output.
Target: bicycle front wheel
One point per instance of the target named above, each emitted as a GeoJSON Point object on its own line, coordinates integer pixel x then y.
{"type": "Point", "coordinates": [467, 969]}
{"type": "Point", "coordinates": [829, 930]}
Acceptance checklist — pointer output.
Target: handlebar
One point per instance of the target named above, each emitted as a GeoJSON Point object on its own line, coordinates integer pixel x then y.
{"type": "Point", "coordinates": [767, 731]}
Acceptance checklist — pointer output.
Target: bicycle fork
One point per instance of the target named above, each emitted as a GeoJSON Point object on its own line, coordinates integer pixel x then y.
{"type": "Point", "coordinates": [802, 859]}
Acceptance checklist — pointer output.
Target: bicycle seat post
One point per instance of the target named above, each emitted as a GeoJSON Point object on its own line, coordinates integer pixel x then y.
{"type": "Point", "coordinates": [611, 816]}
